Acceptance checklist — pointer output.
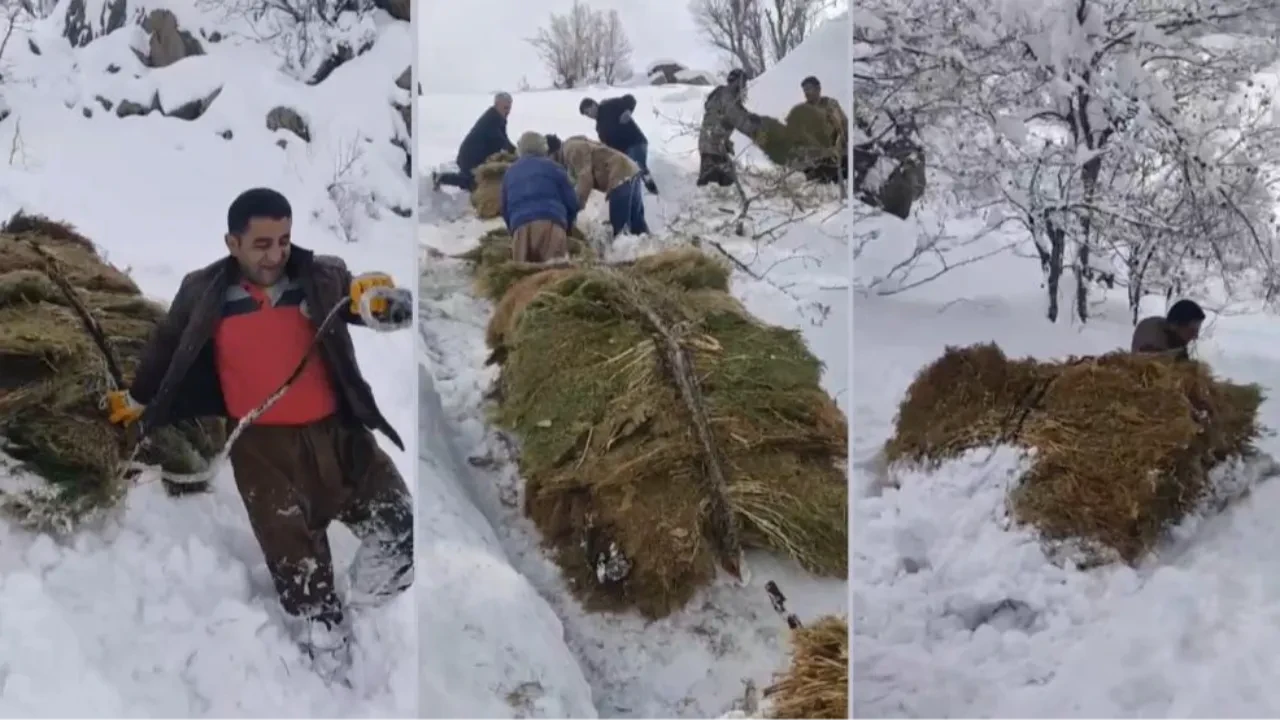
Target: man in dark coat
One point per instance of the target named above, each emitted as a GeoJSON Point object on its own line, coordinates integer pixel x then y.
{"type": "Point", "coordinates": [487, 136]}
{"type": "Point", "coordinates": [1169, 335]}
{"type": "Point", "coordinates": [232, 336]}
{"type": "Point", "coordinates": [616, 127]}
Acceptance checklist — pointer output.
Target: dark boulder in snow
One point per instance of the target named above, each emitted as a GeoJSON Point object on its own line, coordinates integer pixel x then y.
{"type": "Point", "coordinates": [130, 108]}
{"type": "Point", "coordinates": [193, 109]}
{"type": "Point", "coordinates": [405, 81]}
{"type": "Point", "coordinates": [398, 9]}
{"type": "Point", "coordinates": [80, 30]}
{"type": "Point", "coordinates": [168, 43]}
{"type": "Point", "coordinates": [285, 118]}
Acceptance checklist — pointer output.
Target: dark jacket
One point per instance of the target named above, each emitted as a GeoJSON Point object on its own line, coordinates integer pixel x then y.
{"type": "Point", "coordinates": [536, 188]}
{"type": "Point", "coordinates": [612, 130]}
{"type": "Point", "coordinates": [487, 136]}
{"type": "Point", "coordinates": [1153, 335]}
{"type": "Point", "coordinates": [176, 378]}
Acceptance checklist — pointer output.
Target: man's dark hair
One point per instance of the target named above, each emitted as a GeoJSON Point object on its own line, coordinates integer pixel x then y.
{"type": "Point", "coordinates": [586, 103]}
{"type": "Point", "coordinates": [810, 81]}
{"type": "Point", "coordinates": [256, 203]}
{"type": "Point", "coordinates": [553, 144]}
{"type": "Point", "coordinates": [1184, 312]}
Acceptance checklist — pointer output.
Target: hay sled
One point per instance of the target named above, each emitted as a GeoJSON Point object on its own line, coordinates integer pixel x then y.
{"type": "Point", "coordinates": [54, 374]}
{"type": "Point", "coordinates": [663, 429]}
{"type": "Point", "coordinates": [1124, 445]}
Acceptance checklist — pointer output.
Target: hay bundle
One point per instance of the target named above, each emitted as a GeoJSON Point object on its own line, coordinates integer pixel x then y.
{"type": "Point", "coordinates": [495, 272]}
{"type": "Point", "coordinates": [816, 684]}
{"type": "Point", "coordinates": [485, 197]}
{"type": "Point", "coordinates": [805, 138]}
{"type": "Point", "coordinates": [53, 375]}
{"type": "Point", "coordinates": [664, 429]}
{"type": "Point", "coordinates": [1124, 443]}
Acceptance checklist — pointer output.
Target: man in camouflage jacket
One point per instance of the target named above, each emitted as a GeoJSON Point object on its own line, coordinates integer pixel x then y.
{"type": "Point", "coordinates": [723, 113]}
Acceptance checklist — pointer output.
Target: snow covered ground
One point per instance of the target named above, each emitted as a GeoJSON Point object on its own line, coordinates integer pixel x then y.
{"type": "Point", "coordinates": [166, 609]}
{"type": "Point", "coordinates": [501, 635]}
{"type": "Point", "coordinates": [1188, 634]}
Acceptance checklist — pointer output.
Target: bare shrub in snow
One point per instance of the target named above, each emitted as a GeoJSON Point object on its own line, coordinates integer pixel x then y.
{"type": "Point", "coordinates": [351, 198]}
{"type": "Point", "coordinates": [1133, 143]}
{"type": "Point", "coordinates": [584, 46]}
{"type": "Point", "coordinates": [755, 34]}
{"type": "Point", "coordinates": [311, 37]}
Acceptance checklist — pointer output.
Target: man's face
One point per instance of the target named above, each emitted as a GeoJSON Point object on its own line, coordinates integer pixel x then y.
{"type": "Point", "coordinates": [812, 92]}
{"type": "Point", "coordinates": [1188, 332]}
{"type": "Point", "coordinates": [503, 106]}
{"type": "Point", "coordinates": [263, 249]}
{"type": "Point", "coordinates": [591, 111]}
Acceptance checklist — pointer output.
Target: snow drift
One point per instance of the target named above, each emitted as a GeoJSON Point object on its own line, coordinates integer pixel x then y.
{"type": "Point", "coordinates": [694, 663]}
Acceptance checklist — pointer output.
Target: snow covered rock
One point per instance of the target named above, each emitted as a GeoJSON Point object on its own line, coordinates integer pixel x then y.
{"type": "Point", "coordinates": [87, 20]}
{"type": "Point", "coordinates": [284, 118]}
{"type": "Point", "coordinates": [167, 42]}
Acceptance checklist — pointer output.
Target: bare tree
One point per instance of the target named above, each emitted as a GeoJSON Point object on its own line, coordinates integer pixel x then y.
{"type": "Point", "coordinates": [756, 33]}
{"type": "Point", "coordinates": [311, 37]}
{"type": "Point", "coordinates": [1130, 142]}
{"type": "Point", "coordinates": [584, 46]}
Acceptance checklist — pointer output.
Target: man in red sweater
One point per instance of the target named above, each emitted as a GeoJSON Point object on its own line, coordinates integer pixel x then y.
{"type": "Point", "coordinates": [234, 333]}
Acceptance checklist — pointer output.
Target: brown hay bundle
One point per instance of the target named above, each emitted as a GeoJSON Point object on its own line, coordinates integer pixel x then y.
{"type": "Point", "coordinates": [638, 506]}
{"type": "Point", "coordinates": [53, 375]}
{"type": "Point", "coordinates": [1124, 443]}
{"type": "Point", "coordinates": [816, 684]}
{"type": "Point", "coordinates": [495, 271]}
{"type": "Point", "coordinates": [486, 196]}
{"type": "Point", "coordinates": [805, 137]}
{"type": "Point", "coordinates": [522, 292]}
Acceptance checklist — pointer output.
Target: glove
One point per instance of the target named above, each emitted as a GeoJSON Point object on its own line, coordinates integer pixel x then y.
{"type": "Point", "coordinates": [625, 116]}
{"type": "Point", "coordinates": [385, 309]}
{"type": "Point", "coordinates": [360, 287]}
{"type": "Point", "coordinates": [122, 408]}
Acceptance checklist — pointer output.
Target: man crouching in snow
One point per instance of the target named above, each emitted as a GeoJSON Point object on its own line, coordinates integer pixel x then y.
{"type": "Point", "coordinates": [235, 332]}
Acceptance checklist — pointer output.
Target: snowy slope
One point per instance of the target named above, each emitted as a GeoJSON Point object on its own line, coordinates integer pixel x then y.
{"type": "Point", "coordinates": [528, 648]}
{"type": "Point", "coordinates": [166, 608]}
{"type": "Point", "coordinates": [1190, 633]}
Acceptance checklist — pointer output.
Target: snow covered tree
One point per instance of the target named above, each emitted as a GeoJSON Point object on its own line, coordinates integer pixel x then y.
{"type": "Point", "coordinates": [1133, 141]}
{"type": "Point", "coordinates": [755, 34]}
{"type": "Point", "coordinates": [584, 46]}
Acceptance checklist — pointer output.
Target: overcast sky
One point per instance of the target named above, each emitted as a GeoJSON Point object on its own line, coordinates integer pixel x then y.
{"type": "Point", "coordinates": [468, 46]}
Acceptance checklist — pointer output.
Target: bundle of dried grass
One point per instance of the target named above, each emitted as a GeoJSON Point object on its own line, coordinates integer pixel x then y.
{"type": "Point", "coordinates": [494, 270]}
{"type": "Point", "coordinates": [664, 429]}
{"type": "Point", "coordinates": [1124, 443]}
{"type": "Point", "coordinates": [486, 195]}
{"type": "Point", "coordinates": [816, 684]}
{"type": "Point", "coordinates": [806, 137]}
{"type": "Point", "coordinates": [53, 374]}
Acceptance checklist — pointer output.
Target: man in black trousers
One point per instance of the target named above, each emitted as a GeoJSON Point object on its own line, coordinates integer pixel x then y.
{"type": "Point", "coordinates": [487, 136]}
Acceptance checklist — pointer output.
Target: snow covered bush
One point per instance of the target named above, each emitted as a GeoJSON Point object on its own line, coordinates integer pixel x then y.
{"type": "Point", "coordinates": [1133, 144]}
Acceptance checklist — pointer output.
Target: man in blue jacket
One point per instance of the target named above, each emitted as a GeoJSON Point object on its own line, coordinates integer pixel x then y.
{"type": "Point", "coordinates": [538, 203]}
{"type": "Point", "coordinates": [487, 136]}
{"type": "Point", "coordinates": [618, 129]}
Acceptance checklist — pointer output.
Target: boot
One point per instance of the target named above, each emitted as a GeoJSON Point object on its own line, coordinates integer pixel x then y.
{"type": "Point", "coordinates": [329, 650]}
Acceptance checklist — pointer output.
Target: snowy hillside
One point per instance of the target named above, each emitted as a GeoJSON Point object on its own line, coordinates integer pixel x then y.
{"type": "Point", "coordinates": [164, 607]}
{"type": "Point", "coordinates": [515, 644]}
{"type": "Point", "coordinates": [958, 615]}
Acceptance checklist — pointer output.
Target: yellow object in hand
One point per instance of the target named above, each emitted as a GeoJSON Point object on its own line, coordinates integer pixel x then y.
{"type": "Point", "coordinates": [123, 409]}
{"type": "Point", "coordinates": [362, 284]}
